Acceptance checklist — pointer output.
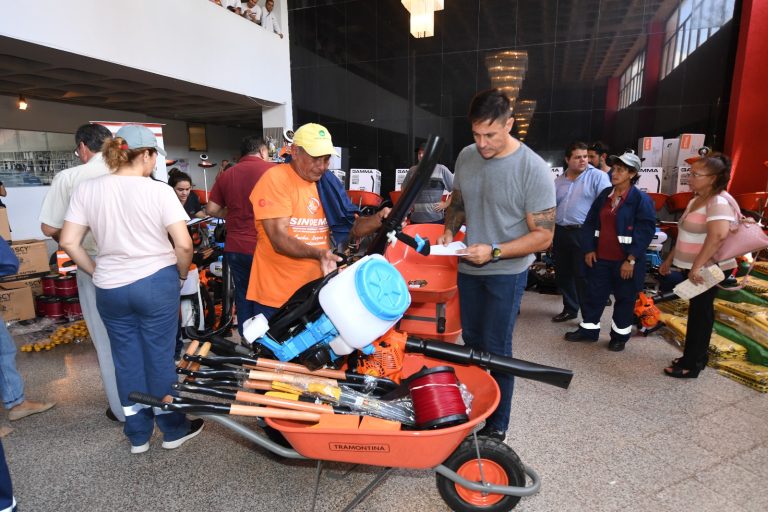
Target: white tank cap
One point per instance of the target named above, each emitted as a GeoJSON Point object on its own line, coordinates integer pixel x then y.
{"type": "Point", "coordinates": [255, 327]}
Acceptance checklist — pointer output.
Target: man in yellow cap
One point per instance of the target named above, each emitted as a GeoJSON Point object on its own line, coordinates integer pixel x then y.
{"type": "Point", "coordinates": [294, 236]}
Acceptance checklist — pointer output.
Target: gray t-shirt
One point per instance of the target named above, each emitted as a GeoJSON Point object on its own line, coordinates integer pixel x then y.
{"type": "Point", "coordinates": [440, 181]}
{"type": "Point", "coordinates": [497, 194]}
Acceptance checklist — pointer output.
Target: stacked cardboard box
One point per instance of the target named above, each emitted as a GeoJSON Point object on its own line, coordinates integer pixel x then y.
{"type": "Point", "coordinates": [400, 178]}
{"type": "Point", "coordinates": [365, 179]}
{"type": "Point", "coordinates": [650, 150]}
{"type": "Point", "coordinates": [676, 169]}
{"type": "Point", "coordinates": [339, 174]}
{"type": "Point", "coordinates": [17, 291]}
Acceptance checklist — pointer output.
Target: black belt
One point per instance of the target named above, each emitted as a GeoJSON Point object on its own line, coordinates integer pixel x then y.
{"type": "Point", "coordinates": [574, 226]}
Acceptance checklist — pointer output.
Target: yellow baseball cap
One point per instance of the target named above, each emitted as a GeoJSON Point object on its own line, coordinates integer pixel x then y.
{"type": "Point", "coordinates": [315, 139]}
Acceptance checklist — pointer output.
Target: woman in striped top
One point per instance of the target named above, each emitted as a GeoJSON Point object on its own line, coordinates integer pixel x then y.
{"type": "Point", "coordinates": [701, 231]}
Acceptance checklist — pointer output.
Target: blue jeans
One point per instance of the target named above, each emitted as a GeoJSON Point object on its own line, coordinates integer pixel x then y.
{"type": "Point", "coordinates": [141, 320]}
{"type": "Point", "coordinates": [240, 266]}
{"type": "Point", "coordinates": [11, 384]}
{"type": "Point", "coordinates": [489, 308]}
{"type": "Point", "coordinates": [7, 501]}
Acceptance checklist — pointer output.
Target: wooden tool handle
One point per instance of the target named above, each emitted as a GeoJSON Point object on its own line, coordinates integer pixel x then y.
{"type": "Point", "coordinates": [203, 352]}
{"type": "Point", "coordinates": [268, 412]}
{"type": "Point", "coordinates": [290, 378]}
{"type": "Point", "coordinates": [255, 398]}
{"type": "Point", "coordinates": [191, 349]}
{"type": "Point", "coordinates": [271, 364]}
{"type": "Point", "coordinates": [260, 385]}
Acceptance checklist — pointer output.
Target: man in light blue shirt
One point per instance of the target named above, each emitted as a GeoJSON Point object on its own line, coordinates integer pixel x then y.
{"type": "Point", "coordinates": [575, 191]}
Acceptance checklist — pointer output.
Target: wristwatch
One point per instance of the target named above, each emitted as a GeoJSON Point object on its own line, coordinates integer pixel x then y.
{"type": "Point", "coordinates": [631, 262]}
{"type": "Point", "coordinates": [495, 253]}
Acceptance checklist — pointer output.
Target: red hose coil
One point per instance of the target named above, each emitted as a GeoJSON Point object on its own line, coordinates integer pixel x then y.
{"type": "Point", "coordinates": [437, 400]}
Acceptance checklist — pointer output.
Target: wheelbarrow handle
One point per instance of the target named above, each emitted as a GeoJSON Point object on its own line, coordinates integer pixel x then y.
{"type": "Point", "coordinates": [279, 366]}
{"type": "Point", "coordinates": [197, 406]}
{"type": "Point", "coordinates": [255, 398]}
{"type": "Point", "coordinates": [559, 377]}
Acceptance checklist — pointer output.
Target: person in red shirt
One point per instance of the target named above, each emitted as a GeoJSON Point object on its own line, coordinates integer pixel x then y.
{"type": "Point", "coordinates": [229, 200]}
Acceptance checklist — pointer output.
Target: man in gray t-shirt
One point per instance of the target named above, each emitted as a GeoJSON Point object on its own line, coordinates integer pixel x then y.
{"type": "Point", "coordinates": [429, 207]}
{"type": "Point", "coordinates": [504, 193]}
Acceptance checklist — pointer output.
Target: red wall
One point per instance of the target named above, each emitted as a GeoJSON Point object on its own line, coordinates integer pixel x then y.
{"type": "Point", "coordinates": [746, 137]}
{"type": "Point", "coordinates": [611, 107]}
{"type": "Point", "coordinates": [651, 75]}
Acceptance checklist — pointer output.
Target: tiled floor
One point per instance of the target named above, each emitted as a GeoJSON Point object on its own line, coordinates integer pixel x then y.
{"type": "Point", "coordinates": [622, 438]}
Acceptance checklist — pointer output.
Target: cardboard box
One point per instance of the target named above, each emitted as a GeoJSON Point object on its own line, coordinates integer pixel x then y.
{"type": "Point", "coordinates": [365, 179]}
{"type": "Point", "coordinates": [650, 179]}
{"type": "Point", "coordinates": [335, 162]}
{"type": "Point", "coordinates": [690, 143]}
{"type": "Point", "coordinates": [5, 227]}
{"type": "Point", "coordinates": [400, 178]}
{"type": "Point", "coordinates": [669, 153]}
{"type": "Point", "coordinates": [676, 180]}
{"type": "Point", "coordinates": [35, 284]}
{"type": "Point", "coordinates": [650, 149]}
{"type": "Point", "coordinates": [342, 175]}
{"type": "Point", "coordinates": [33, 256]}
{"type": "Point", "coordinates": [16, 301]}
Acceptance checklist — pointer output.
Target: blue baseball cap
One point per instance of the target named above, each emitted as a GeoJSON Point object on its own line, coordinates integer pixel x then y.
{"type": "Point", "coordinates": [139, 137]}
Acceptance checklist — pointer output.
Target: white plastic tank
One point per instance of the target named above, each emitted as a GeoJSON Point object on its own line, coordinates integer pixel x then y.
{"type": "Point", "coordinates": [364, 301]}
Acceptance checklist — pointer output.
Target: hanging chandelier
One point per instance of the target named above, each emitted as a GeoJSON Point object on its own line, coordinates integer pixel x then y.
{"type": "Point", "coordinates": [423, 16]}
{"type": "Point", "coordinates": [524, 110]}
{"type": "Point", "coordinates": [506, 70]}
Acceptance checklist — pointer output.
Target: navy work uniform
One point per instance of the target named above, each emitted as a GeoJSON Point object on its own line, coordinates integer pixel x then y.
{"type": "Point", "coordinates": [615, 233]}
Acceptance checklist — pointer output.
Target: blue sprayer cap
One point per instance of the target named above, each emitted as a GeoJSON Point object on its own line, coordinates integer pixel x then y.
{"type": "Point", "coordinates": [382, 289]}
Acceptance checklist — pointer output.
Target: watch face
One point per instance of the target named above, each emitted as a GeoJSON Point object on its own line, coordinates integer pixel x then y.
{"type": "Point", "coordinates": [496, 253]}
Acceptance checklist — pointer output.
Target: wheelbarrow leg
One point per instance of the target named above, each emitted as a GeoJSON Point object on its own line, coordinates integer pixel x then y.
{"type": "Point", "coordinates": [479, 459]}
{"type": "Point", "coordinates": [362, 495]}
{"type": "Point", "coordinates": [318, 472]}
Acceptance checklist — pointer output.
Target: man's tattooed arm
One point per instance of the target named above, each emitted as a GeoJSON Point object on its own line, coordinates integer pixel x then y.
{"type": "Point", "coordinates": [544, 219]}
{"type": "Point", "coordinates": [541, 227]}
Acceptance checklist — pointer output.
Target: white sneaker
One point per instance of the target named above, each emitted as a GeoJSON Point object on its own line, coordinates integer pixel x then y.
{"type": "Point", "coordinates": [140, 449]}
{"type": "Point", "coordinates": [195, 427]}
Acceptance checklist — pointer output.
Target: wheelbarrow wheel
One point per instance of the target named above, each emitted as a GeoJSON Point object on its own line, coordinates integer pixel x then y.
{"type": "Point", "coordinates": [500, 466]}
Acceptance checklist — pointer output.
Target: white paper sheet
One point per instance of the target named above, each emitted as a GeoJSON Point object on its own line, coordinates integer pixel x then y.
{"type": "Point", "coordinates": [687, 289]}
{"type": "Point", "coordinates": [452, 249]}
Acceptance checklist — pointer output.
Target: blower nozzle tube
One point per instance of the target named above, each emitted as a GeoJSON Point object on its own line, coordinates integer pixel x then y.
{"type": "Point", "coordinates": [559, 377]}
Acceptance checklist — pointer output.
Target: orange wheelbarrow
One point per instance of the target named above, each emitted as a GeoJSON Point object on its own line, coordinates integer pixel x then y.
{"type": "Point", "coordinates": [474, 473]}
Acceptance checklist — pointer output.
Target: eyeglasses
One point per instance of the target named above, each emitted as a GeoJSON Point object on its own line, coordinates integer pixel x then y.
{"type": "Point", "coordinates": [698, 175]}
{"type": "Point", "coordinates": [76, 151]}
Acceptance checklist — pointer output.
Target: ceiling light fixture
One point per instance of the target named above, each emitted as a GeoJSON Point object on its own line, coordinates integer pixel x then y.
{"type": "Point", "coordinates": [524, 110]}
{"type": "Point", "coordinates": [506, 70]}
{"type": "Point", "coordinates": [423, 16]}
{"type": "Point", "coordinates": [22, 103]}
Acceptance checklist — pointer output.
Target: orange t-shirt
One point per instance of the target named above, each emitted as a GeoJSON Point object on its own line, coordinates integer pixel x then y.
{"type": "Point", "coordinates": [283, 193]}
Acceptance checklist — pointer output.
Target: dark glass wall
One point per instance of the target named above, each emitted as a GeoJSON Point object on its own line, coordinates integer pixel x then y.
{"type": "Point", "coordinates": [357, 70]}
